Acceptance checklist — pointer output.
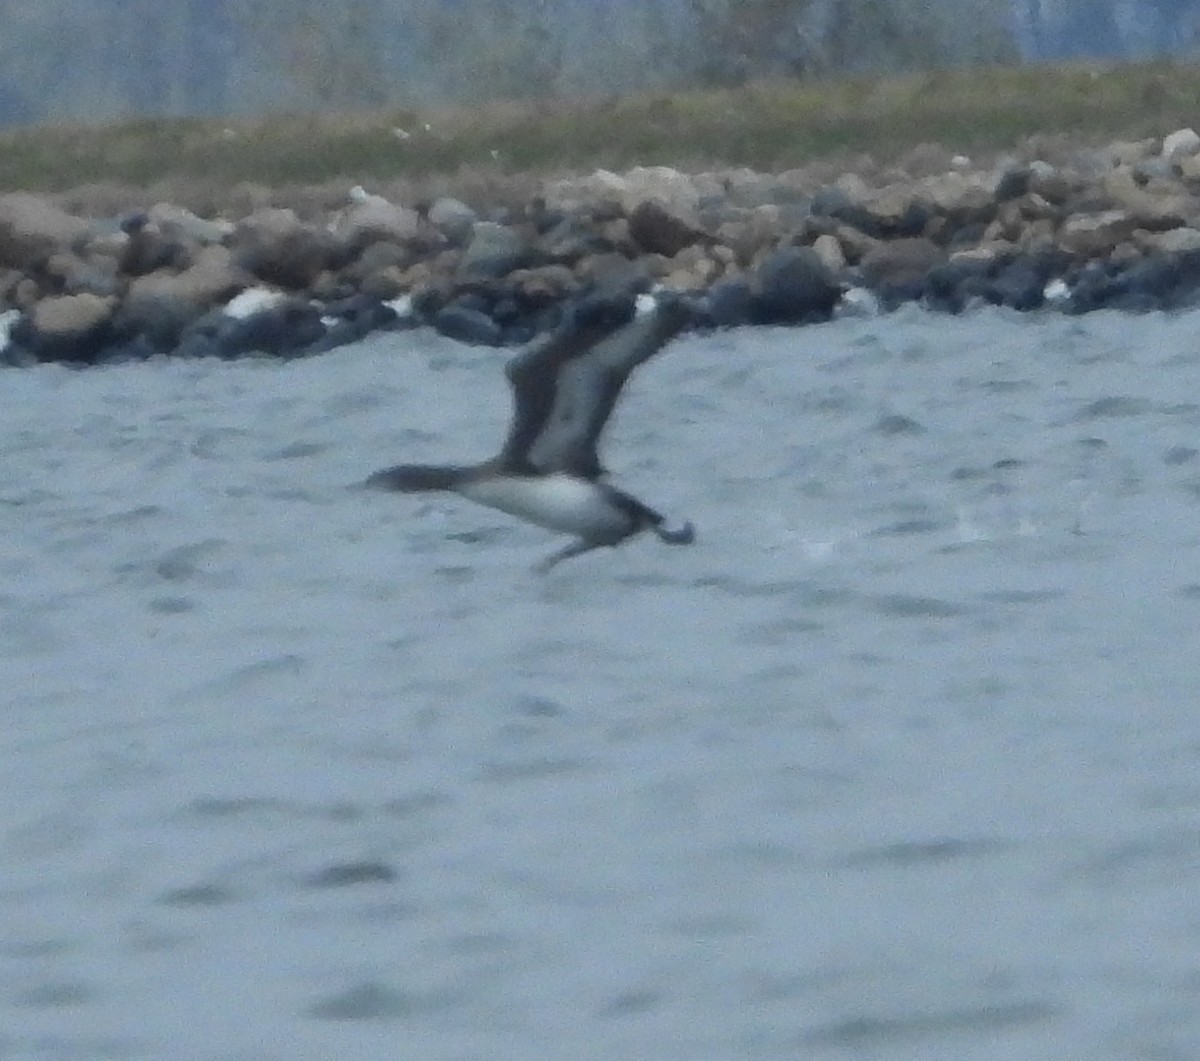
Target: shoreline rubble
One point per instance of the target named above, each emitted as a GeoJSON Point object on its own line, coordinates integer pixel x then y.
{"type": "Point", "coordinates": [1046, 226]}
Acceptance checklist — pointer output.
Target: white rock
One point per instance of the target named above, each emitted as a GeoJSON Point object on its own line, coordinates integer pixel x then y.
{"type": "Point", "coordinates": [1180, 142]}
{"type": "Point", "coordinates": [252, 300]}
{"type": "Point", "coordinates": [644, 304]}
{"type": "Point", "coordinates": [359, 194]}
{"type": "Point", "coordinates": [1056, 291]}
{"type": "Point", "coordinates": [857, 302]}
{"type": "Point", "coordinates": [402, 306]}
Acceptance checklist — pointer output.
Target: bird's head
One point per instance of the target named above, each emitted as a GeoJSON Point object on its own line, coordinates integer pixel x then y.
{"type": "Point", "coordinates": [603, 310]}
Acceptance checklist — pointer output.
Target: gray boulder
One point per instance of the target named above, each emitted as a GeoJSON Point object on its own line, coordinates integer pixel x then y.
{"type": "Point", "coordinates": [453, 218]}
{"type": "Point", "coordinates": [792, 285]}
{"type": "Point", "coordinates": [494, 251]}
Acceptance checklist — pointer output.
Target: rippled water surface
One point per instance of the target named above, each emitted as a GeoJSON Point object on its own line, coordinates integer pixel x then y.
{"type": "Point", "coordinates": [901, 760]}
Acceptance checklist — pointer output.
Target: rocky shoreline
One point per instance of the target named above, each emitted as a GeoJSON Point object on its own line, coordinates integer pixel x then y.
{"type": "Point", "coordinates": [1072, 228]}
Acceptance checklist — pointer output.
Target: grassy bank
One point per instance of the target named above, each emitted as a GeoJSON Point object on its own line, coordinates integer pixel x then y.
{"type": "Point", "coordinates": [763, 126]}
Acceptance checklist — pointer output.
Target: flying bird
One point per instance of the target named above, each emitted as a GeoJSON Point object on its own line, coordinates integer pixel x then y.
{"type": "Point", "coordinates": [565, 387]}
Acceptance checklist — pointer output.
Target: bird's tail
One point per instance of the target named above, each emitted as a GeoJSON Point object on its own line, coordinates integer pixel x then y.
{"type": "Point", "coordinates": [416, 478]}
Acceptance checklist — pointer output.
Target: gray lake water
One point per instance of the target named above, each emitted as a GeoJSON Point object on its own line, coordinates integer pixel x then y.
{"type": "Point", "coordinates": [901, 760]}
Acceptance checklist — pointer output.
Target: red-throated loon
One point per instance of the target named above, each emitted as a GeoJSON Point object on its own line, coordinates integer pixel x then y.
{"type": "Point", "coordinates": [564, 390]}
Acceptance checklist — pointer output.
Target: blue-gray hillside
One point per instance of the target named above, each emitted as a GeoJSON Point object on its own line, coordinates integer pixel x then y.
{"type": "Point", "coordinates": [98, 60]}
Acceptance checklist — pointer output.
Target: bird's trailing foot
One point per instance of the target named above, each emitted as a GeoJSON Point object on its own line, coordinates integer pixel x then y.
{"type": "Point", "coordinates": [684, 535]}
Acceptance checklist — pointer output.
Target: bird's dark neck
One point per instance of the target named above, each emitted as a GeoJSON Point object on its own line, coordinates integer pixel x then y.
{"type": "Point", "coordinates": [419, 478]}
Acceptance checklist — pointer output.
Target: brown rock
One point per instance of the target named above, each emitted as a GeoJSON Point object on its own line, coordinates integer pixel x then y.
{"type": "Point", "coordinates": [8, 280]}
{"type": "Point", "coordinates": [675, 190]}
{"type": "Point", "coordinates": [571, 239]}
{"type": "Point", "coordinates": [853, 187]}
{"type": "Point", "coordinates": [66, 327]}
{"type": "Point", "coordinates": [747, 188]}
{"type": "Point", "coordinates": [31, 227]}
{"type": "Point", "coordinates": [373, 218]}
{"type": "Point", "coordinates": [685, 280]}
{"type": "Point", "coordinates": [418, 275]}
{"type": "Point", "coordinates": [214, 277]}
{"type": "Point", "coordinates": [329, 287]}
{"type": "Point", "coordinates": [386, 283]}
{"type": "Point", "coordinates": [829, 250]}
{"type": "Point", "coordinates": [656, 228]}
{"type": "Point", "coordinates": [752, 233]}
{"type": "Point", "coordinates": [276, 246]}
{"type": "Point", "coordinates": [1095, 235]}
{"type": "Point", "coordinates": [70, 315]}
{"type": "Point", "coordinates": [109, 244]}
{"type": "Point", "coordinates": [76, 275]}
{"type": "Point", "coordinates": [997, 250]}
{"type": "Point", "coordinates": [1121, 186]}
{"type": "Point", "coordinates": [691, 269]}
{"type": "Point", "coordinates": [149, 249]}
{"type": "Point", "coordinates": [657, 266]}
{"type": "Point", "coordinates": [1159, 213]}
{"type": "Point", "coordinates": [959, 196]}
{"type": "Point", "coordinates": [613, 270]}
{"type": "Point", "coordinates": [25, 293]}
{"type": "Point", "coordinates": [181, 224]}
{"type": "Point", "coordinates": [494, 251]}
{"type": "Point", "coordinates": [446, 262]}
{"type": "Point", "coordinates": [1039, 235]}
{"type": "Point", "coordinates": [378, 256]}
{"type": "Point", "coordinates": [997, 230]}
{"type": "Point", "coordinates": [1130, 152]}
{"type": "Point", "coordinates": [690, 257]}
{"type": "Point", "coordinates": [571, 193]}
{"type": "Point", "coordinates": [1051, 184]}
{"type": "Point", "coordinates": [453, 218]}
{"type": "Point", "coordinates": [889, 206]}
{"type": "Point", "coordinates": [160, 305]}
{"type": "Point", "coordinates": [1009, 222]}
{"type": "Point", "coordinates": [1033, 206]}
{"type": "Point", "coordinates": [1125, 254]}
{"type": "Point", "coordinates": [543, 285]}
{"type": "Point", "coordinates": [940, 229]}
{"type": "Point", "coordinates": [926, 160]}
{"type": "Point", "coordinates": [899, 263]}
{"type": "Point", "coordinates": [1174, 241]}
{"type": "Point", "coordinates": [855, 243]}
{"type": "Point", "coordinates": [615, 233]}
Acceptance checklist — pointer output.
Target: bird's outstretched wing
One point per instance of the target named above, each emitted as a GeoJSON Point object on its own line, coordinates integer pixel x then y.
{"type": "Point", "coordinates": [535, 374]}
{"type": "Point", "coordinates": [589, 384]}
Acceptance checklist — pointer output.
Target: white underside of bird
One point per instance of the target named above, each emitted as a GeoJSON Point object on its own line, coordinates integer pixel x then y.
{"type": "Point", "coordinates": [558, 502]}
